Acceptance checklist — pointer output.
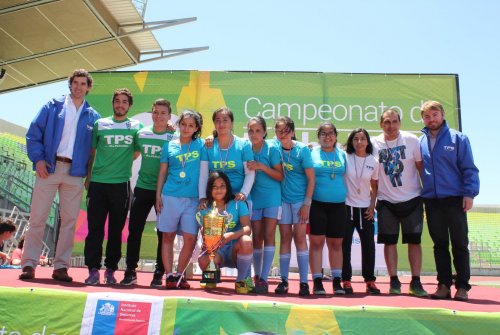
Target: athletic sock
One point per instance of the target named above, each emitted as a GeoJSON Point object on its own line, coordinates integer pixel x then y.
{"type": "Point", "coordinates": [267, 261]}
{"type": "Point", "coordinates": [243, 262]}
{"type": "Point", "coordinates": [284, 266]}
{"type": "Point", "coordinates": [257, 261]}
{"type": "Point", "coordinates": [303, 262]}
{"type": "Point", "coordinates": [317, 275]}
{"type": "Point", "coordinates": [336, 273]}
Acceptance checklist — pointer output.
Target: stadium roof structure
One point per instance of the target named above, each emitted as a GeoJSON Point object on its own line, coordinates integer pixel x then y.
{"type": "Point", "coordinates": [42, 41]}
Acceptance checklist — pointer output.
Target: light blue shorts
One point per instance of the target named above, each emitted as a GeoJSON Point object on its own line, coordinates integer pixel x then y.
{"type": "Point", "coordinates": [226, 252]}
{"type": "Point", "coordinates": [290, 213]}
{"type": "Point", "coordinates": [178, 215]}
{"type": "Point", "coordinates": [271, 213]}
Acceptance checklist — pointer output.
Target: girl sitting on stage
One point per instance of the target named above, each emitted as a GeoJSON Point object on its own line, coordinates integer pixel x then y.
{"type": "Point", "coordinates": [236, 250]}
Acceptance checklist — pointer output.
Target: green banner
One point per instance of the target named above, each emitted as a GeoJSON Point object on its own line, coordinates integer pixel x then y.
{"type": "Point", "coordinates": [347, 100]}
{"type": "Point", "coordinates": [56, 312]}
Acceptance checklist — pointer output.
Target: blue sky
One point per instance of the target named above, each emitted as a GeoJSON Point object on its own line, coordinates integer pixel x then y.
{"type": "Point", "coordinates": [390, 36]}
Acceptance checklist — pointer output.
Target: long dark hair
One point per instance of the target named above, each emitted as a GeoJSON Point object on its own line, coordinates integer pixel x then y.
{"type": "Point", "coordinates": [289, 124]}
{"type": "Point", "coordinates": [210, 186]}
{"type": "Point", "coordinates": [198, 119]}
{"type": "Point", "coordinates": [225, 110]}
{"type": "Point", "coordinates": [350, 148]}
{"type": "Point", "coordinates": [260, 120]}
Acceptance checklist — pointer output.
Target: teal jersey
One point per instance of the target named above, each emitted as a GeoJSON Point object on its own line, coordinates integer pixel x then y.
{"type": "Point", "coordinates": [329, 168]}
{"type": "Point", "coordinates": [230, 160]}
{"type": "Point", "coordinates": [149, 144]}
{"type": "Point", "coordinates": [235, 210]}
{"type": "Point", "coordinates": [114, 144]}
{"type": "Point", "coordinates": [183, 168]}
{"type": "Point", "coordinates": [295, 161]}
{"type": "Point", "coordinates": [266, 191]}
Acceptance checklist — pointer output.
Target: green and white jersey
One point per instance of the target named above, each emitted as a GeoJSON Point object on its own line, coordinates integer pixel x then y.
{"type": "Point", "coordinates": [114, 144]}
{"type": "Point", "coordinates": [150, 144]}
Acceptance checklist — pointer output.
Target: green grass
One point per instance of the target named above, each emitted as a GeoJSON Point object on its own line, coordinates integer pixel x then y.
{"type": "Point", "coordinates": [148, 244]}
{"type": "Point", "coordinates": [483, 227]}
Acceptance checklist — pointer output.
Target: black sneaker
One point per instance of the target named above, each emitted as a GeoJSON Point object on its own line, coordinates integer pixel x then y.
{"type": "Point", "coordinates": [318, 288]}
{"type": "Point", "coordinates": [282, 287]}
{"type": "Point", "coordinates": [348, 287]}
{"type": "Point", "coordinates": [304, 289]}
{"type": "Point", "coordinates": [395, 287]}
{"type": "Point", "coordinates": [171, 282]}
{"type": "Point", "coordinates": [417, 289]}
{"type": "Point", "coordinates": [130, 278]}
{"type": "Point", "coordinates": [156, 282]}
{"type": "Point", "coordinates": [337, 286]}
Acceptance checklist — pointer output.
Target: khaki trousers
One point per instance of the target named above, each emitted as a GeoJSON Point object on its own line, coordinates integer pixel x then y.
{"type": "Point", "coordinates": [70, 197]}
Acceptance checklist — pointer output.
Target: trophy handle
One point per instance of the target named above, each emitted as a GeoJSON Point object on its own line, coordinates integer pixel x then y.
{"type": "Point", "coordinates": [227, 218]}
{"type": "Point", "coordinates": [199, 219]}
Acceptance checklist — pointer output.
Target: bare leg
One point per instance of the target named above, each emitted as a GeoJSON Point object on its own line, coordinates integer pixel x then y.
{"type": "Point", "coordinates": [391, 259]}
{"type": "Point", "coordinates": [317, 243]}
{"type": "Point", "coordinates": [167, 251]}
{"type": "Point", "coordinates": [415, 258]}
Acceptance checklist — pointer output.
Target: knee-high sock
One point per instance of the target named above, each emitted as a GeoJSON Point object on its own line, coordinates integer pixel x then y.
{"type": "Point", "coordinates": [284, 265]}
{"type": "Point", "coordinates": [257, 261]}
{"type": "Point", "coordinates": [267, 261]}
{"type": "Point", "coordinates": [243, 263]}
{"type": "Point", "coordinates": [303, 261]}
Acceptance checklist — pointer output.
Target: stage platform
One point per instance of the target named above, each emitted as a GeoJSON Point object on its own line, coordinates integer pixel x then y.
{"type": "Point", "coordinates": [43, 306]}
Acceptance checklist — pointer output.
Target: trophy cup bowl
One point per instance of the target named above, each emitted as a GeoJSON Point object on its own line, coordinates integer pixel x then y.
{"type": "Point", "coordinates": [214, 226]}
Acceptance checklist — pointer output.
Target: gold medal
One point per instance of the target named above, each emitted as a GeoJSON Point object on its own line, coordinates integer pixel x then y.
{"type": "Point", "coordinates": [182, 174]}
{"type": "Point", "coordinates": [332, 176]}
{"type": "Point", "coordinates": [359, 191]}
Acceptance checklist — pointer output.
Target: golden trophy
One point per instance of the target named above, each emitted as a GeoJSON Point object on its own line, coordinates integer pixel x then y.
{"type": "Point", "coordinates": [214, 226]}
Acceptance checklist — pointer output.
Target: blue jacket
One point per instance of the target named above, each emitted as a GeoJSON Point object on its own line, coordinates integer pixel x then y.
{"type": "Point", "coordinates": [448, 170]}
{"type": "Point", "coordinates": [45, 132]}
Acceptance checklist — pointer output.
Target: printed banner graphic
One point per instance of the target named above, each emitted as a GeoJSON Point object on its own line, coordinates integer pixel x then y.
{"type": "Point", "coordinates": [115, 314]}
{"type": "Point", "coordinates": [347, 100]}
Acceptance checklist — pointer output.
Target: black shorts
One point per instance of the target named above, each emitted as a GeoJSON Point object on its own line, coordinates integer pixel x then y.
{"type": "Point", "coordinates": [327, 218]}
{"type": "Point", "coordinates": [410, 214]}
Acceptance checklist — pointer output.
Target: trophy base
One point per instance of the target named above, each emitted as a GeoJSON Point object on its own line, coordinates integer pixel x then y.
{"type": "Point", "coordinates": [210, 277]}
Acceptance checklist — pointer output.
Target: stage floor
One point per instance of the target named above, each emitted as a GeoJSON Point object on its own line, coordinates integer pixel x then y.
{"type": "Point", "coordinates": [483, 297]}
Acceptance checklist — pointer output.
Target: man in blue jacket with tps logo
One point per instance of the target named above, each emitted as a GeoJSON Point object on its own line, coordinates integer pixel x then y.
{"type": "Point", "coordinates": [58, 143]}
{"type": "Point", "coordinates": [450, 181]}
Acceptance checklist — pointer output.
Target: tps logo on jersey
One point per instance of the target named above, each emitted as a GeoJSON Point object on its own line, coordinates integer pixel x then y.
{"type": "Point", "coordinates": [330, 164]}
{"type": "Point", "coordinates": [223, 165]}
{"type": "Point", "coordinates": [287, 166]}
{"type": "Point", "coordinates": [119, 139]}
{"type": "Point", "coordinates": [152, 150]}
{"type": "Point", "coordinates": [188, 156]}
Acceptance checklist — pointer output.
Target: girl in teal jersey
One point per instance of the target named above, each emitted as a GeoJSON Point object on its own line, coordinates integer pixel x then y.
{"type": "Point", "coordinates": [177, 195]}
{"type": "Point", "coordinates": [327, 216]}
{"type": "Point", "coordinates": [296, 193]}
{"type": "Point", "coordinates": [266, 199]}
{"type": "Point", "coordinates": [229, 154]}
{"type": "Point", "coordinates": [236, 249]}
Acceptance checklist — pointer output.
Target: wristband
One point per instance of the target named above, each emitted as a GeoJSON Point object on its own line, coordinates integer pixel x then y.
{"type": "Point", "coordinates": [307, 201]}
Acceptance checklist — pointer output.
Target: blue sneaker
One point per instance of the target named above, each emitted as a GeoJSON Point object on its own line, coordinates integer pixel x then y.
{"type": "Point", "coordinates": [109, 277]}
{"type": "Point", "coordinates": [93, 278]}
